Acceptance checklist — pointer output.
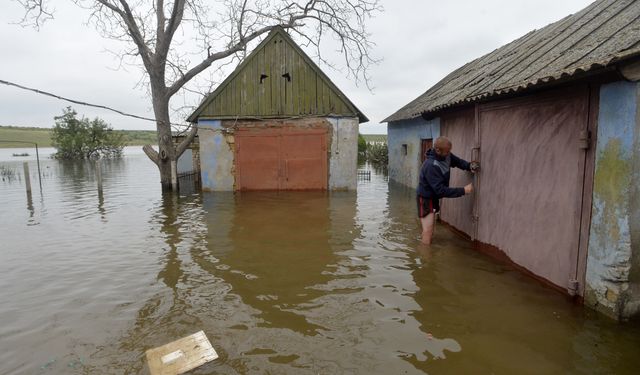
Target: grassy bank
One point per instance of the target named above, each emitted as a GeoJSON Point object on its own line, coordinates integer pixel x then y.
{"type": "Point", "coordinates": [10, 135]}
{"type": "Point", "coordinates": [33, 135]}
{"type": "Point", "coordinates": [42, 136]}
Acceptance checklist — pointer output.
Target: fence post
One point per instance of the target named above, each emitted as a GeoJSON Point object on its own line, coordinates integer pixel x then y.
{"type": "Point", "coordinates": [99, 175]}
{"type": "Point", "coordinates": [174, 175]}
{"type": "Point", "coordinates": [27, 178]}
{"type": "Point", "coordinates": [39, 174]}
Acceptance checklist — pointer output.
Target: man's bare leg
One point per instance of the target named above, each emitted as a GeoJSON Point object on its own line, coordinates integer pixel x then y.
{"type": "Point", "coordinates": [427, 228]}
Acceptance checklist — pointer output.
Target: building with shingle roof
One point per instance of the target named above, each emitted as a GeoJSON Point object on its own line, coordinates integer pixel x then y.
{"type": "Point", "coordinates": [553, 119]}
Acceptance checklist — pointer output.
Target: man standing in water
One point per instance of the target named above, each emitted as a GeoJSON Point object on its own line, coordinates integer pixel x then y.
{"type": "Point", "coordinates": [434, 183]}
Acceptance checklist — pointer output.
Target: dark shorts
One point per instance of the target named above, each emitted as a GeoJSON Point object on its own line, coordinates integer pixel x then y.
{"type": "Point", "coordinates": [427, 205]}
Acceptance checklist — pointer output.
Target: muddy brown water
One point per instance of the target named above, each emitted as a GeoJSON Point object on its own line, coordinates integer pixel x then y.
{"type": "Point", "coordinates": [281, 283]}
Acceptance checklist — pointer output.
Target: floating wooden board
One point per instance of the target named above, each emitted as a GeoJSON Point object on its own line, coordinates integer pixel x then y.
{"type": "Point", "coordinates": [181, 355]}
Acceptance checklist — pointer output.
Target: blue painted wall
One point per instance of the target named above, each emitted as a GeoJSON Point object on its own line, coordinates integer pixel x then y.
{"type": "Point", "coordinates": [216, 156]}
{"type": "Point", "coordinates": [613, 233]}
{"type": "Point", "coordinates": [405, 169]}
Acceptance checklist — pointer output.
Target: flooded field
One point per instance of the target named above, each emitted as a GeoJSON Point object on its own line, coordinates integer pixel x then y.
{"type": "Point", "coordinates": [281, 283]}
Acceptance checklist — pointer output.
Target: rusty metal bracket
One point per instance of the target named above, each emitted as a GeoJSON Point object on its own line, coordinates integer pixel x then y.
{"type": "Point", "coordinates": [475, 153]}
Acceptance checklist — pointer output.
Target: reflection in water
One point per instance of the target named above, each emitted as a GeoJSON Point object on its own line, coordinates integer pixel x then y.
{"type": "Point", "coordinates": [286, 283]}
{"type": "Point", "coordinates": [101, 209]}
{"type": "Point", "coordinates": [402, 213]}
{"type": "Point", "coordinates": [280, 250]}
{"type": "Point", "coordinates": [170, 227]}
{"type": "Point", "coordinates": [30, 205]}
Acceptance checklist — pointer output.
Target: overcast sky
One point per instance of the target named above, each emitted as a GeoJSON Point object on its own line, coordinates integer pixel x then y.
{"type": "Point", "coordinates": [420, 41]}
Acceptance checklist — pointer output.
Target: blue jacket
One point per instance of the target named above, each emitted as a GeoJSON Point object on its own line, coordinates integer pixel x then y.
{"type": "Point", "coordinates": [435, 176]}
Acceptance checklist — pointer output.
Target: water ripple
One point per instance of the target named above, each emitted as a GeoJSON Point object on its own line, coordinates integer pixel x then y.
{"type": "Point", "coordinates": [288, 282]}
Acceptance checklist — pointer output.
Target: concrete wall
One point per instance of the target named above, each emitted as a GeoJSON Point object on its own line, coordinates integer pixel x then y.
{"type": "Point", "coordinates": [343, 162]}
{"type": "Point", "coordinates": [405, 169]}
{"type": "Point", "coordinates": [217, 152]}
{"type": "Point", "coordinates": [612, 279]}
{"type": "Point", "coordinates": [216, 156]}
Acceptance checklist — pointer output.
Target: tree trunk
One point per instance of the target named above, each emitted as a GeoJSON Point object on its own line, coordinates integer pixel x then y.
{"type": "Point", "coordinates": [166, 149]}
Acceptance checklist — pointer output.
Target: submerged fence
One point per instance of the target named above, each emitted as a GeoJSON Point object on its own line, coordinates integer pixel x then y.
{"type": "Point", "coordinates": [364, 175]}
{"type": "Point", "coordinates": [189, 182]}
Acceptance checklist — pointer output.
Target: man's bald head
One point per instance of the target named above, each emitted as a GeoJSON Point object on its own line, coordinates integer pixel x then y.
{"type": "Point", "coordinates": [442, 146]}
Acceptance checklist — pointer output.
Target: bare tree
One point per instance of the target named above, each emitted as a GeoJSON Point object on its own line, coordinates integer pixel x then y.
{"type": "Point", "coordinates": [157, 34]}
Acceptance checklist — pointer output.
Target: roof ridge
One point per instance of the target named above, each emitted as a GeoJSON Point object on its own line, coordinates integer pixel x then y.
{"type": "Point", "coordinates": [276, 30]}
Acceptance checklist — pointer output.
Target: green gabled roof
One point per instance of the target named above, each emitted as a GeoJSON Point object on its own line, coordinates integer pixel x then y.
{"type": "Point", "coordinates": [307, 91]}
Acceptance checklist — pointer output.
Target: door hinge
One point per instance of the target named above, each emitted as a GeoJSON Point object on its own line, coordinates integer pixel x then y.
{"type": "Point", "coordinates": [584, 142]}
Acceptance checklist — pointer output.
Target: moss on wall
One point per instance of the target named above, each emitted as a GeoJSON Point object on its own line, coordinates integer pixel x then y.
{"type": "Point", "coordinates": [613, 172]}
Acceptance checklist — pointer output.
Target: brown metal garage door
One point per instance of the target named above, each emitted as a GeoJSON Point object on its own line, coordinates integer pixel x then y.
{"type": "Point", "coordinates": [281, 159]}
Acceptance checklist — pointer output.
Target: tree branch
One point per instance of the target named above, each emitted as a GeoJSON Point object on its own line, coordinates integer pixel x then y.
{"type": "Point", "coordinates": [151, 153]}
{"type": "Point", "coordinates": [186, 141]}
{"type": "Point", "coordinates": [239, 46]}
{"type": "Point", "coordinates": [134, 31]}
{"type": "Point", "coordinates": [164, 43]}
{"type": "Point", "coordinates": [36, 11]}
{"type": "Point", "coordinates": [160, 19]}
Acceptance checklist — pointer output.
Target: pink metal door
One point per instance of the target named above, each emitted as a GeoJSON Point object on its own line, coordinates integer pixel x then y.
{"type": "Point", "coordinates": [533, 170]}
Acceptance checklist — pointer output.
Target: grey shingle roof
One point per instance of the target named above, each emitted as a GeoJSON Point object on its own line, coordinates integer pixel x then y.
{"type": "Point", "coordinates": [599, 36]}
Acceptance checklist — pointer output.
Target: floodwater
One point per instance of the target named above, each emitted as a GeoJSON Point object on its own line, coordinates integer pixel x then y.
{"type": "Point", "coordinates": [281, 283]}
